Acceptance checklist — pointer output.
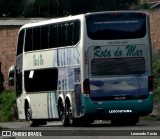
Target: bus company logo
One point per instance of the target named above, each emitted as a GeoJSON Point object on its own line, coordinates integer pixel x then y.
{"type": "Point", "coordinates": [38, 60]}
{"type": "Point", "coordinates": [120, 111]}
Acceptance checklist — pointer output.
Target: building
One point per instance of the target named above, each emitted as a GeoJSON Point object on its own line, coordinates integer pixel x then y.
{"type": "Point", "coordinates": [8, 42]}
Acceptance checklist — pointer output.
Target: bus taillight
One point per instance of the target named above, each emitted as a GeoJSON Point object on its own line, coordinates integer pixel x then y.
{"type": "Point", "coordinates": [86, 86]}
{"type": "Point", "coordinates": [150, 83]}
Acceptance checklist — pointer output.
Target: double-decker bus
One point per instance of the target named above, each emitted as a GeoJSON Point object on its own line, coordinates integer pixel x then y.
{"type": "Point", "coordinates": [84, 67]}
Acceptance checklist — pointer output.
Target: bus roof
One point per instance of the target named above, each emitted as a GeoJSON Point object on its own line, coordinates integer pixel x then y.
{"type": "Point", "coordinates": [54, 20]}
{"type": "Point", "coordinates": [68, 18]}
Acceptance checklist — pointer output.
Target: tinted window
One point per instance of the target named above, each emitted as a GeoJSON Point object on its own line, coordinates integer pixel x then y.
{"type": "Point", "coordinates": [64, 34]}
{"type": "Point", "coordinates": [28, 41]}
{"type": "Point", "coordinates": [113, 26]}
{"type": "Point", "coordinates": [44, 37]}
{"type": "Point", "coordinates": [118, 66]}
{"type": "Point", "coordinates": [36, 38]}
{"type": "Point", "coordinates": [41, 80]}
{"type": "Point", "coordinates": [76, 32]}
{"type": "Point", "coordinates": [61, 34]}
{"type": "Point", "coordinates": [53, 36]}
{"type": "Point", "coordinates": [69, 33]}
{"type": "Point", "coordinates": [20, 42]}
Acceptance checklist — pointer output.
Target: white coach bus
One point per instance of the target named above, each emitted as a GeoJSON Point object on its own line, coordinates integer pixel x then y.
{"type": "Point", "coordinates": [84, 67]}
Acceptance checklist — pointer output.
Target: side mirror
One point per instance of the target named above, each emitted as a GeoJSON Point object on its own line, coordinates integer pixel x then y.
{"type": "Point", "coordinates": [11, 73]}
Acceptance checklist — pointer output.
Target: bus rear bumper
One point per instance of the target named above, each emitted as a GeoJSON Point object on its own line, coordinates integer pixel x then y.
{"type": "Point", "coordinates": [109, 109]}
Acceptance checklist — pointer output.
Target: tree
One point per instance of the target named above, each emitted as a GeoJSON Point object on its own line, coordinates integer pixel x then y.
{"type": "Point", "coordinates": [40, 8]}
{"type": "Point", "coordinates": [84, 6]}
{"type": "Point", "coordinates": [45, 7]}
{"type": "Point", "coordinates": [8, 8]}
{"type": "Point", "coordinates": [52, 8]}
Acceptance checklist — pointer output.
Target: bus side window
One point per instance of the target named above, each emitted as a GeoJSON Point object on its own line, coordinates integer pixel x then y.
{"type": "Point", "coordinates": [69, 34]}
{"type": "Point", "coordinates": [44, 37]}
{"type": "Point", "coordinates": [61, 34]}
{"type": "Point", "coordinates": [76, 32]}
{"type": "Point", "coordinates": [41, 80]}
{"type": "Point", "coordinates": [53, 36]}
{"type": "Point", "coordinates": [36, 38]}
{"type": "Point", "coordinates": [28, 41]}
{"type": "Point", "coordinates": [20, 42]}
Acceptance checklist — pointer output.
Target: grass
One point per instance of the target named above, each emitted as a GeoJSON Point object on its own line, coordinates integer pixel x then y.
{"type": "Point", "coordinates": [157, 95]}
{"type": "Point", "coordinates": [151, 118]}
{"type": "Point", "coordinates": [7, 103]}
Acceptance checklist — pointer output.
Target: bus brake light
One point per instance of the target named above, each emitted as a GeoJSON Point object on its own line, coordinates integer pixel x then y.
{"type": "Point", "coordinates": [86, 86]}
{"type": "Point", "coordinates": [150, 83]}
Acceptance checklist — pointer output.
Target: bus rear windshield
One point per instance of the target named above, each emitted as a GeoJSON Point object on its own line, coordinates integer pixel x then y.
{"type": "Point", "coordinates": [118, 66]}
{"type": "Point", "coordinates": [112, 26]}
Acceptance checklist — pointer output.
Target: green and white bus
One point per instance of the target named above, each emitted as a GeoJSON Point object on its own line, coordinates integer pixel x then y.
{"type": "Point", "coordinates": [84, 67]}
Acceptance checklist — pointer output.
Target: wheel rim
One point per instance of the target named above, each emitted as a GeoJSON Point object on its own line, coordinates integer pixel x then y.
{"type": "Point", "coordinates": [63, 117]}
{"type": "Point", "coordinates": [28, 115]}
{"type": "Point", "coordinates": [70, 118]}
{"type": "Point", "coordinates": [61, 113]}
{"type": "Point", "coordinates": [69, 114]}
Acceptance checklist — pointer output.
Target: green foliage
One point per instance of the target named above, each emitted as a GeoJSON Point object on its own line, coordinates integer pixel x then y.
{"type": "Point", "coordinates": [7, 103]}
{"type": "Point", "coordinates": [52, 8]}
{"type": "Point", "coordinates": [156, 81]}
{"type": "Point", "coordinates": [8, 7]}
{"type": "Point", "coordinates": [84, 6]}
{"type": "Point", "coordinates": [145, 6]}
{"type": "Point", "coordinates": [46, 8]}
{"type": "Point", "coordinates": [151, 118]}
{"type": "Point", "coordinates": [156, 72]}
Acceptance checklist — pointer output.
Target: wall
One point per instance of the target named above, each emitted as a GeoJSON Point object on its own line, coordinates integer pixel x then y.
{"type": "Point", "coordinates": [8, 40]}
{"type": "Point", "coordinates": [155, 29]}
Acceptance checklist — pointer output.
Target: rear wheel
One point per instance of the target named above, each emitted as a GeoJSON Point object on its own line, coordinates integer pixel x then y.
{"type": "Point", "coordinates": [62, 114]}
{"type": "Point", "coordinates": [69, 115]}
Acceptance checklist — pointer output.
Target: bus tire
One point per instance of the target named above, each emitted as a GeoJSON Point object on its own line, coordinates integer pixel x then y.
{"type": "Point", "coordinates": [61, 112]}
{"type": "Point", "coordinates": [67, 118]}
{"type": "Point", "coordinates": [69, 114]}
{"type": "Point", "coordinates": [32, 122]}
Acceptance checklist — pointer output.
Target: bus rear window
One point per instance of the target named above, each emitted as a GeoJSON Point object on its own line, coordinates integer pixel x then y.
{"type": "Point", "coordinates": [118, 66]}
{"type": "Point", "coordinates": [112, 26]}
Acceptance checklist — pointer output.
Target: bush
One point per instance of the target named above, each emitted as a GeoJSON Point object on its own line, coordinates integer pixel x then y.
{"type": "Point", "coordinates": [145, 6]}
{"type": "Point", "coordinates": [7, 103]}
{"type": "Point", "coordinates": [156, 81]}
{"type": "Point", "coordinates": [156, 72]}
